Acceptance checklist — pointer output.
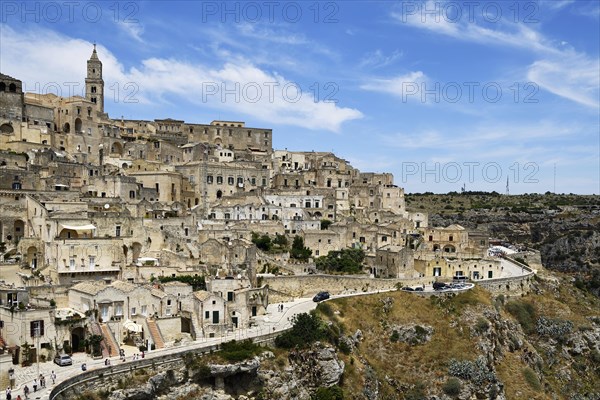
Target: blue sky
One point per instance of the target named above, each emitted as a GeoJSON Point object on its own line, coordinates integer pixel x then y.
{"type": "Point", "coordinates": [439, 93]}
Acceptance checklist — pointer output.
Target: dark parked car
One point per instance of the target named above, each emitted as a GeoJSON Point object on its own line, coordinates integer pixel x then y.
{"type": "Point", "coordinates": [63, 359]}
{"type": "Point", "coordinates": [439, 286]}
{"type": "Point", "coordinates": [419, 289]}
{"type": "Point", "coordinates": [321, 296]}
{"type": "Point", "coordinates": [408, 289]}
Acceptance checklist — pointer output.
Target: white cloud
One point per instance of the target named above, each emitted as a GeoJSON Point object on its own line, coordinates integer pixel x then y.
{"type": "Point", "coordinates": [559, 60]}
{"type": "Point", "coordinates": [377, 59]}
{"type": "Point", "coordinates": [576, 78]}
{"type": "Point", "coordinates": [132, 29]}
{"type": "Point", "coordinates": [407, 86]}
{"type": "Point", "coordinates": [263, 95]}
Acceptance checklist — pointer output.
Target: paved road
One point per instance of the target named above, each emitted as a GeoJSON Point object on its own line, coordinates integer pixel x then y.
{"type": "Point", "coordinates": [272, 321]}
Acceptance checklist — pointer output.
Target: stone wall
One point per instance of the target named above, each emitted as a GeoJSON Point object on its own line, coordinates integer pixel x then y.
{"type": "Point", "coordinates": [309, 285]}
{"type": "Point", "coordinates": [170, 328]}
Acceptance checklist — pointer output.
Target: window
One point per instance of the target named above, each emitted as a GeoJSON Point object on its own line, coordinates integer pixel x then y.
{"type": "Point", "coordinates": [72, 263]}
{"type": "Point", "coordinates": [37, 328]}
{"type": "Point", "coordinates": [209, 179]}
{"type": "Point", "coordinates": [490, 274]}
{"type": "Point", "coordinates": [118, 309]}
{"type": "Point", "coordinates": [132, 194]}
{"type": "Point", "coordinates": [450, 238]}
{"type": "Point", "coordinates": [144, 310]}
{"type": "Point", "coordinates": [230, 296]}
{"type": "Point", "coordinates": [230, 180]}
{"type": "Point", "coordinates": [219, 180]}
{"type": "Point", "coordinates": [206, 314]}
{"type": "Point", "coordinates": [92, 262]}
{"type": "Point", "coordinates": [437, 271]}
{"type": "Point", "coordinates": [118, 230]}
{"type": "Point", "coordinates": [133, 311]}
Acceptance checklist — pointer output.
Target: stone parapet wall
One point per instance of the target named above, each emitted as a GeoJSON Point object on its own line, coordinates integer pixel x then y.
{"type": "Point", "coordinates": [309, 285]}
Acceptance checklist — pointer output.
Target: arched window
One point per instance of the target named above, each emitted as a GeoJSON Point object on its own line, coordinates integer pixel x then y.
{"type": "Point", "coordinates": [2, 87]}
{"type": "Point", "coordinates": [12, 88]}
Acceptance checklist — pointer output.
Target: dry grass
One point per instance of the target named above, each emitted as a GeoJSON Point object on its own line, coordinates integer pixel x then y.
{"type": "Point", "coordinates": [510, 371]}
{"type": "Point", "coordinates": [400, 361]}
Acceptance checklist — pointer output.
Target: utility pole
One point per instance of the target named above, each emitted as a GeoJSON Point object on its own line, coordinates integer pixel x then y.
{"type": "Point", "coordinates": [507, 191]}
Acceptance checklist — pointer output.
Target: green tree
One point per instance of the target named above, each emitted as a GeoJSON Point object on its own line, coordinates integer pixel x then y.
{"type": "Point", "coordinates": [281, 240]}
{"type": "Point", "coordinates": [347, 261]}
{"type": "Point", "coordinates": [306, 329]}
{"type": "Point", "coordinates": [263, 241]}
{"type": "Point", "coordinates": [299, 251]}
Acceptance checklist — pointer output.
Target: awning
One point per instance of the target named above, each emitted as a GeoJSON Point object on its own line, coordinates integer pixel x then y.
{"type": "Point", "coordinates": [132, 326]}
{"type": "Point", "coordinates": [88, 227]}
{"type": "Point", "coordinates": [60, 185]}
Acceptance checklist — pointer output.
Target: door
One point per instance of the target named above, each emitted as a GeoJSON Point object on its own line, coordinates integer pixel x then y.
{"type": "Point", "coordinates": [215, 318]}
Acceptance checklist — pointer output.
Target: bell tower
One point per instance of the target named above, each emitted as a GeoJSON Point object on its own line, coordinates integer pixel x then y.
{"type": "Point", "coordinates": [94, 85]}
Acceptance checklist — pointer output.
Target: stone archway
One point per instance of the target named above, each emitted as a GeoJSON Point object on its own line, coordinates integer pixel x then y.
{"type": "Point", "coordinates": [78, 125]}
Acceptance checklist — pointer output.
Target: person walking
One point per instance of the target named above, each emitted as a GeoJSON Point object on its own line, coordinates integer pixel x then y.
{"type": "Point", "coordinates": [26, 392]}
{"type": "Point", "coordinates": [53, 377]}
{"type": "Point", "coordinates": [42, 381]}
{"type": "Point", "coordinates": [35, 385]}
{"type": "Point", "coordinates": [8, 393]}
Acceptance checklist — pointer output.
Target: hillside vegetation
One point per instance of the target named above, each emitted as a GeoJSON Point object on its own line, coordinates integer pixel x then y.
{"type": "Point", "coordinates": [413, 347]}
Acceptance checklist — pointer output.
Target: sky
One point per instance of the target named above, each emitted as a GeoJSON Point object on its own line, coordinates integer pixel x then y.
{"type": "Point", "coordinates": [443, 94]}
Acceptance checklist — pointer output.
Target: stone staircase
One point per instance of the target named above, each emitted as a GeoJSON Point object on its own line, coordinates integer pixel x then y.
{"type": "Point", "coordinates": [110, 340]}
{"type": "Point", "coordinates": [197, 331]}
{"type": "Point", "coordinates": [155, 334]}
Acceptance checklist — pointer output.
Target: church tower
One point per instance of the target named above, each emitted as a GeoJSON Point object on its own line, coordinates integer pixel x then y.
{"type": "Point", "coordinates": [94, 85]}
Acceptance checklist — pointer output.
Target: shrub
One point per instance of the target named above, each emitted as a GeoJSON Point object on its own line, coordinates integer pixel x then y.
{"type": "Point", "coordinates": [417, 392]}
{"type": "Point", "coordinates": [306, 329]}
{"type": "Point", "coordinates": [523, 312]}
{"type": "Point", "coordinates": [452, 387]}
{"type": "Point", "coordinates": [532, 378]}
{"type": "Point", "coordinates": [555, 328]}
{"type": "Point", "coordinates": [395, 336]}
{"type": "Point", "coordinates": [235, 351]}
{"type": "Point", "coordinates": [329, 393]}
{"type": "Point", "coordinates": [474, 371]}
{"type": "Point", "coordinates": [482, 325]}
